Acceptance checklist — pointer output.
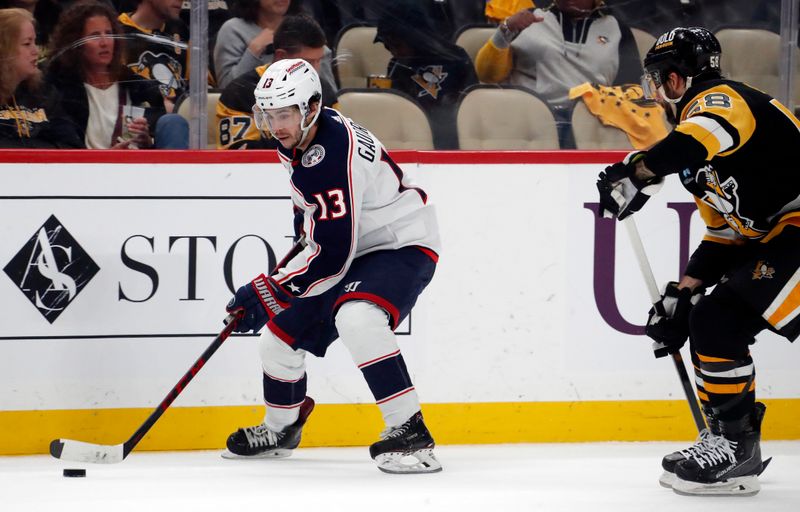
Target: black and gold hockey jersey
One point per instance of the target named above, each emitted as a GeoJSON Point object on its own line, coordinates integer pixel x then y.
{"type": "Point", "coordinates": [750, 184]}
{"type": "Point", "coordinates": [730, 150]}
{"type": "Point", "coordinates": [159, 55]}
{"type": "Point", "coordinates": [235, 124]}
{"type": "Point", "coordinates": [35, 119]}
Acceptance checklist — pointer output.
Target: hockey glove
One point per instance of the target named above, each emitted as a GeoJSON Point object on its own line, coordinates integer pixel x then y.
{"type": "Point", "coordinates": [258, 302]}
{"type": "Point", "coordinates": [621, 192]}
{"type": "Point", "coordinates": [668, 323]}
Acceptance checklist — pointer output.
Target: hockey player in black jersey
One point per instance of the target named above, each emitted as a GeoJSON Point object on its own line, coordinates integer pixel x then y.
{"type": "Point", "coordinates": [371, 246]}
{"type": "Point", "coordinates": [731, 150]}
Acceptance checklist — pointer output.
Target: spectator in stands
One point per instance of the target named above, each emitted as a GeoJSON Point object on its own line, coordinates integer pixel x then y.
{"type": "Point", "coordinates": [98, 90]}
{"type": "Point", "coordinates": [551, 51]}
{"type": "Point", "coordinates": [157, 48]}
{"type": "Point", "coordinates": [246, 41]}
{"type": "Point", "coordinates": [297, 37]}
{"type": "Point", "coordinates": [44, 21]}
{"type": "Point", "coordinates": [427, 67]}
{"type": "Point", "coordinates": [29, 112]}
{"type": "Point", "coordinates": [218, 14]}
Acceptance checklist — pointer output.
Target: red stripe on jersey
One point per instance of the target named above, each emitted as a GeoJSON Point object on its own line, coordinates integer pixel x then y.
{"type": "Point", "coordinates": [390, 308]}
{"type": "Point", "coordinates": [310, 237]}
{"type": "Point", "coordinates": [280, 333]}
{"type": "Point", "coordinates": [350, 151]}
{"type": "Point", "coordinates": [432, 255]}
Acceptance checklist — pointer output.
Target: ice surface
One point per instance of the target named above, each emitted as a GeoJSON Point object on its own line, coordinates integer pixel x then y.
{"type": "Point", "coordinates": [596, 477]}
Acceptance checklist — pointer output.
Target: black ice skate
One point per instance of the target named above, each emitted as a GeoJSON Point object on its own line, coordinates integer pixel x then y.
{"type": "Point", "coordinates": [668, 463]}
{"type": "Point", "coordinates": [259, 442]}
{"type": "Point", "coordinates": [406, 449]}
{"type": "Point", "coordinates": [728, 464]}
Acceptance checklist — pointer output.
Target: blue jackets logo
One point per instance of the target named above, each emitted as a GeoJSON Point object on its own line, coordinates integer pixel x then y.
{"type": "Point", "coordinates": [313, 156]}
{"type": "Point", "coordinates": [51, 269]}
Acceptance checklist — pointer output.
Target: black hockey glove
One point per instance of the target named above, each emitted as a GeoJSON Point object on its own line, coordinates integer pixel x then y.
{"type": "Point", "coordinates": [668, 323]}
{"type": "Point", "coordinates": [621, 192]}
{"type": "Point", "coordinates": [258, 302]}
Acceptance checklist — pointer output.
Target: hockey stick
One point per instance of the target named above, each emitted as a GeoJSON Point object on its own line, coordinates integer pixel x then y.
{"type": "Point", "coordinates": [655, 296]}
{"type": "Point", "coordinates": [79, 451]}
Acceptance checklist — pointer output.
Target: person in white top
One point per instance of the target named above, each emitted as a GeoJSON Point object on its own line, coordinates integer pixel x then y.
{"type": "Point", "coordinates": [369, 244]}
{"type": "Point", "coordinates": [111, 107]}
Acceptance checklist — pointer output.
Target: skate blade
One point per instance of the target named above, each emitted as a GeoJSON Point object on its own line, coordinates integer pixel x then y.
{"type": "Point", "coordinates": [398, 463]}
{"type": "Point", "coordinates": [667, 479]}
{"type": "Point", "coordinates": [764, 465]}
{"type": "Point", "coordinates": [269, 454]}
{"type": "Point", "coordinates": [740, 486]}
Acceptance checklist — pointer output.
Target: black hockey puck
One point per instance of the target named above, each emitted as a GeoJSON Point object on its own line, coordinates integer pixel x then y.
{"type": "Point", "coordinates": [74, 472]}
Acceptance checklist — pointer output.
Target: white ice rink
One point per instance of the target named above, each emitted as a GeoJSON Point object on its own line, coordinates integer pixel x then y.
{"type": "Point", "coordinates": [613, 477]}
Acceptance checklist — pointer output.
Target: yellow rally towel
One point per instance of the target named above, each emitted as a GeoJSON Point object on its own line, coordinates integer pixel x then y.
{"type": "Point", "coordinates": [498, 10]}
{"type": "Point", "coordinates": [624, 107]}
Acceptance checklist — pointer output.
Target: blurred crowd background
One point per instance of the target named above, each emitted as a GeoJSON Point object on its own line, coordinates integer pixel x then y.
{"type": "Point", "coordinates": [421, 74]}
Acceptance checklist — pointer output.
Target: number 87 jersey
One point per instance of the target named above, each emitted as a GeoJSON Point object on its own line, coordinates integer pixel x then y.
{"type": "Point", "coordinates": [354, 199]}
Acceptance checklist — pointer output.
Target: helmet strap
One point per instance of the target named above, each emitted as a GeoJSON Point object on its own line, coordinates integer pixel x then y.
{"type": "Point", "coordinates": [305, 129]}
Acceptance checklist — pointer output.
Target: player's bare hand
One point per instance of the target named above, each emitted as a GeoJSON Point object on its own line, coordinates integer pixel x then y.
{"type": "Point", "coordinates": [522, 20]}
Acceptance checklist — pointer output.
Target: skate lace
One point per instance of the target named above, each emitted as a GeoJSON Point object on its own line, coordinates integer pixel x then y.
{"type": "Point", "coordinates": [260, 435]}
{"type": "Point", "coordinates": [716, 450]}
{"type": "Point", "coordinates": [393, 432]}
{"type": "Point", "coordinates": [699, 445]}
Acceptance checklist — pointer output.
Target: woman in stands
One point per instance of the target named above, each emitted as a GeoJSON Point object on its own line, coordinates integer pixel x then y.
{"type": "Point", "coordinates": [112, 107]}
{"type": "Point", "coordinates": [29, 114]}
{"type": "Point", "coordinates": [244, 42]}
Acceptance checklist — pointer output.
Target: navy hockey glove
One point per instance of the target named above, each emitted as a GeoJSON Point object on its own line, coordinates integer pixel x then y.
{"type": "Point", "coordinates": [621, 192]}
{"type": "Point", "coordinates": [668, 323]}
{"type": "Point", "coordinates": [258, 302]}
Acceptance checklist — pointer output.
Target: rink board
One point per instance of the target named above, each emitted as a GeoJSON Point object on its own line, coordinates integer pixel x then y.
{"type": "Point", "coordinates": [117, 270]}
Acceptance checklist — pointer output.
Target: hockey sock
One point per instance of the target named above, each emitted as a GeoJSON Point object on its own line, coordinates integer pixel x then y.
{"type": "Point", "coordinates": [284, 381]}
{"type": "Point", "coordinates": [728, 384]}
{"type": "Point", "coordinates": [364, 330]}
{"type": "Point", "coordinates": [283, 399]}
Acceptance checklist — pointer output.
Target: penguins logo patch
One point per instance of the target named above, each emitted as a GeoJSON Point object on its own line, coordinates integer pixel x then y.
{"type": "Point", "coordinates": [763, 270]}
{"type": "Point", "coordinates": [313, 156]}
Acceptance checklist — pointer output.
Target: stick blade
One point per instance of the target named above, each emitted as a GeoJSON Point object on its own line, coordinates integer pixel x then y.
{"type": "Point", "coordinates": [78, 451]}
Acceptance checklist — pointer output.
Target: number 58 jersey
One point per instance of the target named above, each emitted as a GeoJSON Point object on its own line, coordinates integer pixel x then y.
{"type": "Point", "coordinates": [353, 199]}
{"type": "Point", "coordinates": [733, 150]}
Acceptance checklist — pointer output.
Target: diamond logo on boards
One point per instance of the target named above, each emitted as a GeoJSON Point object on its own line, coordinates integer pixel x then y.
{"type": "Point", "coordinates": [51, 269]}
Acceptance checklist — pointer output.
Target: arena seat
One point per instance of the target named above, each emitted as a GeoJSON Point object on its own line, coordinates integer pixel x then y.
{"type": "Point", "coordinates": [356, 56]}
{"type": "Point", "coordinates": [591, 133]}
{"type": "Point", "coordinates": [492, 117]}
{"type": "Point", "coordinates": [751, 56]}
{"type": "Point", "coordinates": [396, 119]}
{"type": "Point", "coordinates": [644, 41]}
{"type": "Point", "coordinates": [472, 38]}
{"type": "Point", "coordinates": [212, 98]}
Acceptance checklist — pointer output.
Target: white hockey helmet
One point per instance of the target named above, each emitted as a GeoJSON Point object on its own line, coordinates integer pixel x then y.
{"type": "Point", "coordinates": [287, 83]}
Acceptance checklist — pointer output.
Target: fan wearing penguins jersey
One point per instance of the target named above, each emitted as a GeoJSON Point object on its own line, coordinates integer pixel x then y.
{"type": "Point", "coordinates": [731, 149]}
{"type": "Point", "coordinates": [371, 247]}
{"type": "Point", "coordinates": [297, 37]}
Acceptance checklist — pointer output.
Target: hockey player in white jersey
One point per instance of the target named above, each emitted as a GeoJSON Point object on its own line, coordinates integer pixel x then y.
{"type": "Point", "coordinates": [371, 246]}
